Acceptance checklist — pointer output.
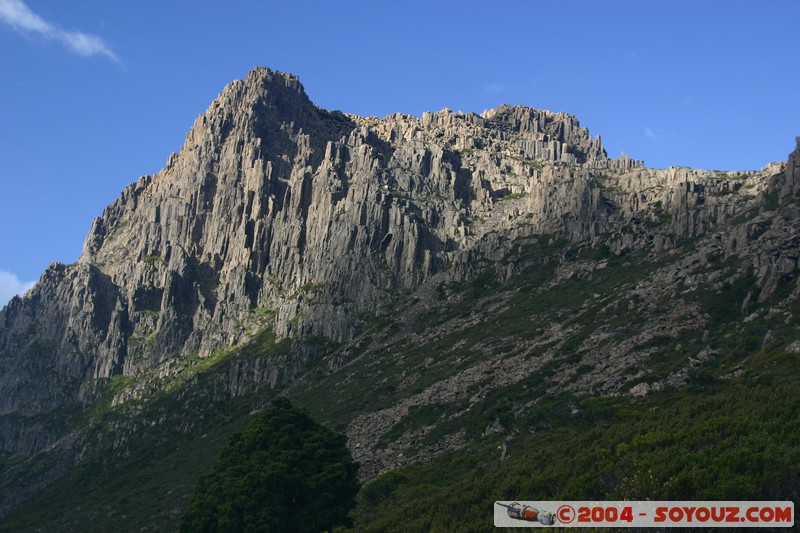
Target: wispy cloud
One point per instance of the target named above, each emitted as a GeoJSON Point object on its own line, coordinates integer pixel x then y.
{"type": "Point", "coordinates": [659, 135]}
{"type": "Point", "coordinates": [10, 285]}
{"type": "Point", "coordinates": [494, 88]}
{"type": "Point", "coordinates": [18, 15]}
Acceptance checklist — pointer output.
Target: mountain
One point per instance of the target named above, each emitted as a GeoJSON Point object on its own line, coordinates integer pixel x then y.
{"type": "Point", "coordinates": [431, 286]}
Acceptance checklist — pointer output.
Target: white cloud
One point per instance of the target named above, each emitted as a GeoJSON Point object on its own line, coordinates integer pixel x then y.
{"type": "Point", "coordinates": [19, 16]}
{"type": "Point", "coordinates": [494, 88]}
{"type": "Point", "coordinates": [659, 135]}
{"type": "Point", "coordinates": [10, 285]}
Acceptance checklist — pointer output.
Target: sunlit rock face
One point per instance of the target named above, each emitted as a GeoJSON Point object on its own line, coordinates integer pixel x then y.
{"type": "Point", "coordinates": [276, 213]}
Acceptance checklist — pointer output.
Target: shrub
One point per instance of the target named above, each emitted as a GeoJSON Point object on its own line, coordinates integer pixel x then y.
{"type": "Point", "coordinates": [283, 473]}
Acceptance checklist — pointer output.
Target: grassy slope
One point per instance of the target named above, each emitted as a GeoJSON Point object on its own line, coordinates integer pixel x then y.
{"type": "Point", "coordinates": [731, 442]}
{"type": "Point", "coordinates": [711, 439]}
{"type": "Point", "coordinates": [148, 456]}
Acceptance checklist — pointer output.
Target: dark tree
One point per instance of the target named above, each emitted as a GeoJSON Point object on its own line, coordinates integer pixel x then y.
{"type": "Point", "coordinates": [283, 473]}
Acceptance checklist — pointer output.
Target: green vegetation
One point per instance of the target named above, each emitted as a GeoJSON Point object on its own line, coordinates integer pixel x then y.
{"type": "Point", "coordinates": [513, 196]}
{"type": "Point", "coordinates": [725, 443]}
{"type": "Point", "coordinates": [283, 473]}
{"type": "Point", "coordinates": [144, 458]}
{"type": "Point", "coordinates": [135, 340]}
{"type": "Point", "coordinates": [773, 200]}
{"type": "Point", "coordinates": [660, 217]}
{"type": "Point", "coordinates": [729, 432]}
{"type": "Point", "coordinates": [738, 431]}
{"type": "Point", "coordinates": [333, 398]}
{"type": "Point", "coordinates": [535, 163]}
{"type": "Point", "coordinates": [265, 314]}
{"type": "Point", "coordinates": [312, 287]}
{"type": "Point", "coordinates": [434, 197]}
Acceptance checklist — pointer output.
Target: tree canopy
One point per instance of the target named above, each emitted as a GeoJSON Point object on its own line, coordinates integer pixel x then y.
{"type": "Point", "coordinates": [285, 472]}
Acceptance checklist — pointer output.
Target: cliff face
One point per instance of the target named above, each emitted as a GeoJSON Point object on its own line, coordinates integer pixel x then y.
{"type": "Point", "coordinates": [278, 213]}
{"type": "Point", "coordinates": [272, 204]}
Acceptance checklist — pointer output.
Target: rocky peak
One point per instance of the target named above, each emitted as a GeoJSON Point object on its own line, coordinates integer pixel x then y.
{"type": "Point", "coordinates": [792, 187]}
{"type": "Point", "coordinates": [268, 108]}
{"type": "Point", "coordinates": [568, 142]}
{"type": "Point", "coordinates": [279, 215]}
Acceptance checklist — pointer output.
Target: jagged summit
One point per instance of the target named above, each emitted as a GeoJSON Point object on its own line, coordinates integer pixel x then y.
{"type": "Point", "coordinates": [280, 218]}
{"type": "Point", "coordinates": [270, 194]}
{"type": "Point", "coordinates": [539, 134]}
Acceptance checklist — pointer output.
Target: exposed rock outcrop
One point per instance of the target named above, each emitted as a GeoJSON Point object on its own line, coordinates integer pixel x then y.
{"type": "Point", "coordinates": [275, 207]}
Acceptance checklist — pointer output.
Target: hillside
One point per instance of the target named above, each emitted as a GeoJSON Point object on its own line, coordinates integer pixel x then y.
{"type": "Point", "coordinates": [433, 287]}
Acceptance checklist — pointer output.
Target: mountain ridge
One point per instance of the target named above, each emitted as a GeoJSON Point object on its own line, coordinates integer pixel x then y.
{"type": "Point", "coordinates": [298, 231]}
{"type": "Point", "coordinates": [202, 148]}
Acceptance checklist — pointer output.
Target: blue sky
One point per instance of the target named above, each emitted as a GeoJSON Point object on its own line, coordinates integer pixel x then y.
{"type": "Point", "coordinates": [94, 94]}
